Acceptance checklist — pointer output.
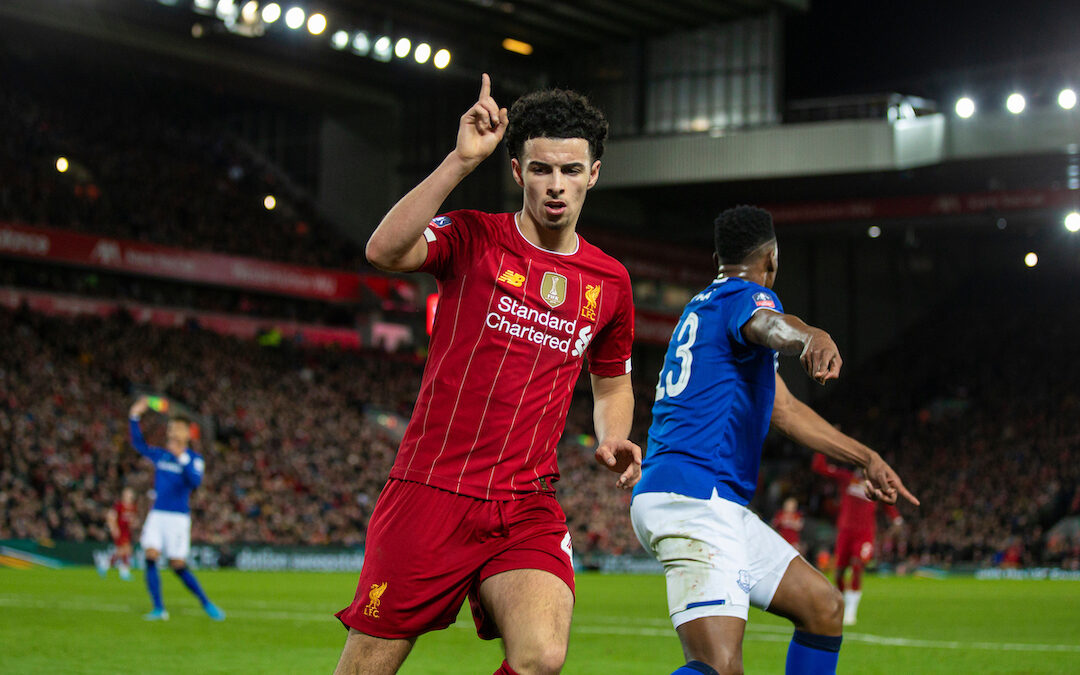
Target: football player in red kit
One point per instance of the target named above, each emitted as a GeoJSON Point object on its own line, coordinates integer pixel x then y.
{"type": "Point", "coordinates": [856, 529]}
{"type": "Point", "coordinates": [469, 510]}
{"type": "Point", "coordinates": [119, 519]}
{"type": "Point", "coordinates": [788, 523]}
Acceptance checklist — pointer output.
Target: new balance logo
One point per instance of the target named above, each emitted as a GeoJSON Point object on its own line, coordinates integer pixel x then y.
{"type": "Point", "coordinates": [511, 277]}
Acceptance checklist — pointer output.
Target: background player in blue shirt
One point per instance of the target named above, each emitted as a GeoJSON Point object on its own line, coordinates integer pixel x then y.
{"type": "Point", "coordinates": [177, 471]}
{"type": "Point", "coordinates": [719, 392]}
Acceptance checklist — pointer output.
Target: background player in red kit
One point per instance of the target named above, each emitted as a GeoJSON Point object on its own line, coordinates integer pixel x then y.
{"type": "Point", "coordinates": [469, 510]}
{"type": "Point", "coordinates": [788, 523]}
{"type": "Point", "coordinates": [856, 529]}
{"type": "Point", "coordinates": [119, 519]}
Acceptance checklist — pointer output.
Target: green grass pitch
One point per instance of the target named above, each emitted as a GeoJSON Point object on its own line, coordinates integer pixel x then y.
{"type": "Point", "coordinates": [71, 621]}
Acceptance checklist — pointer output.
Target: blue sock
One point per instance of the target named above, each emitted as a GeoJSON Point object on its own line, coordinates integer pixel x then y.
{"type": "Point", "coordinates": [810, 654]}
{"type": "Point", "coordinates": [153, 584]}
{"type": "Point", "coordinates": [695, 668]}
{"type": "Point", "coordinates": [192, 583]}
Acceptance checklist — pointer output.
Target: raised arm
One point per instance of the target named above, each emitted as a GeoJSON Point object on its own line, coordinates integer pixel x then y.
{"type": "Point", "coordinates": [791, 336]}
{"type": "Point", "coordinates": [398, 244]}
{"type": "Point", "coordinates": [800, 423]}
{"type": "Point", "coordinates": [613, 415]}
{"type": "Point", "coordinates": [137, 441]}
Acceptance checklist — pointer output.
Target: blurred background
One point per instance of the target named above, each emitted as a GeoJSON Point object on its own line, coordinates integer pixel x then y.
{"type": "Point", "coordinates": [186, 188]}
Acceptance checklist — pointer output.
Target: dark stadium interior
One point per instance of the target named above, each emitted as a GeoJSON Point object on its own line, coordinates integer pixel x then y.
{"type": "Point", "coordinates": [961, 363]}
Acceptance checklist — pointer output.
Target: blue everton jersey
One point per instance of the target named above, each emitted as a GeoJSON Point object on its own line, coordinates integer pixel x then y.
{"type": "Point", "coordinates": [714, 399]}
{"type": "Point", "coordinates": [174, 477]}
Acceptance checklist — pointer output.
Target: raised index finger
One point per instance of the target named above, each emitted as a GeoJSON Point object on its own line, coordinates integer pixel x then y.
{"type": "Point", "coordinates": [485, 86]}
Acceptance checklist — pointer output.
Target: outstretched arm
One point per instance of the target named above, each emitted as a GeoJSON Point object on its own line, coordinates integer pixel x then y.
{"type": "Point", "coordinates": [613, 415]}
{"type": "Point", "coordinates": [398, 244]}
{"type": "Point", "coordinates": [800, 423]}
{"type": "Point", "coordinates": [791, 336]}
{"type": "Point", "coordinates": [137, 441]}
{"type": "Point", "coordinates": [820, 465]}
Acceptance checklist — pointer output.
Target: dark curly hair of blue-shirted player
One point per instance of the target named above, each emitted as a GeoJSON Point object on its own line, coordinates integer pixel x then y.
{"type": "Point", "coordinates": [740, 231]}
{"type": "Point", "coordinates": [555, 113]}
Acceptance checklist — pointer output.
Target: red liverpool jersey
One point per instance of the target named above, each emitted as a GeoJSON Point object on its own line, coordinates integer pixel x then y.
{"type": "Point", "coordinates": [513, 326]}
{"type": "Point", "coordinates": [125, 515]}
{"type": "Point", "coordinates": [857, 513]}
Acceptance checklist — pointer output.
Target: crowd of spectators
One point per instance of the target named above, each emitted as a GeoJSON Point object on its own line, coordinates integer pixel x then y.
{"type": "Point", "coordinates": [148, 165]}
{"type": "Point", "coordinates": [297, 459]}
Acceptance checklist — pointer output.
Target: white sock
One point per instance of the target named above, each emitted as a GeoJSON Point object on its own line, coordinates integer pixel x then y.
{"type": "Point", "coordinates": [851, 604]}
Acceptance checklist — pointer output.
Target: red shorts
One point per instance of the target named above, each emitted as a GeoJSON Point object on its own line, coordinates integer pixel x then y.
{"type": "Point", "coordinates": [123, 540]}
{"type": "Point", "coordinates": [428, 549]}
{"type": "Point", "coordinates": [854, 545]}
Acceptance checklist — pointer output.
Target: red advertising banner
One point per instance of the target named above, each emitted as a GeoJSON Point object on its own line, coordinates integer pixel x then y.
{"type": "Point", "coordinates": [197, 266]}
{"type": "Point", "coordinates": [653, 327]}
{"type": "Point", "coordinates": [922, 205]}
{"type": "Point", "coordinates": [244, 327]}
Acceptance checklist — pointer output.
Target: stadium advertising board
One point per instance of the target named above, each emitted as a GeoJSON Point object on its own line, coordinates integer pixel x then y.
{"type": "Point", "coordinates": [245, 327]}
{"type": "Point", "coordinates": [134, 257]}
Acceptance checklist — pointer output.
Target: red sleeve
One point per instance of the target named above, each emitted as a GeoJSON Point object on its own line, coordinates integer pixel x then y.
{"type": "Point", "coordinates": [609, 353]}
{"type": "Point", "coordinates": [821, 466]}
{"type": "Point", "coordinates": [452, 239]}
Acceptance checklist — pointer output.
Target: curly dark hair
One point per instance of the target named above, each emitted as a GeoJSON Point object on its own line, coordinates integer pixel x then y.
{"type": "Point", "coordinates": [555, 113]}
{"type": "Point", "coordinates": [739, 231]}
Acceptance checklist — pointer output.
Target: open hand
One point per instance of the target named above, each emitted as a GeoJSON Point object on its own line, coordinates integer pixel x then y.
{"type": "Point", "coordinates": [622, 457]}
{"type": "Point", "coordinates": [481, 127]}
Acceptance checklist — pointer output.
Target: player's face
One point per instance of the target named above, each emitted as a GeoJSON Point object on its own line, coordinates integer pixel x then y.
{"type": "Point", "coordinates": [555, 174]}
{"type": "Point", "coordinates": [127, 496]}
{"type": "Point", "coordinates": [179, 432]}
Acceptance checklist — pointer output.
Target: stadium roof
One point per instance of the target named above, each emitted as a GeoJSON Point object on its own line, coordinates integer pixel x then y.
{"type": "Point", "coordinates": [544, 22]}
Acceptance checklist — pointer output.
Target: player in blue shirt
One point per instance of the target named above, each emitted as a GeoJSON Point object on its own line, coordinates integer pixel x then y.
{"type": "Point", "coordinates": [718, 394]}
{"type": "Point", "coordinates": [177, 471]}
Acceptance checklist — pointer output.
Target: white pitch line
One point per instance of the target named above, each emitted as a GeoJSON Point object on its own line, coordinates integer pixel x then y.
{"type": "Point", "coordinates": [755, 632]}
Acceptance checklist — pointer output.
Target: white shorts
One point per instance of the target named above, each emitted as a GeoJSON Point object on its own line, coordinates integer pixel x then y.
{"type": "Point", "coordinates": [168, 532]}
{"type": "Point", "coordinates": [718, 557]}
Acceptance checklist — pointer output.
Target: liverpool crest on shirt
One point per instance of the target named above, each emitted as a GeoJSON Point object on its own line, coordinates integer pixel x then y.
{"type": "Point", "coordinates": [553, 289]}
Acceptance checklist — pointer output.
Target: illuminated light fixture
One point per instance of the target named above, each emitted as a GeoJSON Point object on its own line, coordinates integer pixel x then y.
{"type": "Point", "coordinates": [226, 10]}
{"type": "Point", "coordinates": [1015, 103]}
{"type": "Point", "coordinates": [965, 107]}
{"type": "Point", "coordinates": [1031, 259]}
{"type": "Point", "coordinates": [316, 24]}
{"type": "Point", "coordinates": [873, 232]}
{"type": "Point", "coordinates": [340, 40]}
{"type": "Point", "coordinates": [62, 164]}
{"type": "Point", "coordinates": [249, 12]}
{"type": "Point", "coordinates": [1067, 99]}
{"type": "Point", "coordinates": [442, 59]}
{"type": "Point", "coordinates": [271, 13]}
{"type": "Point", "coordinates": [402, 48]}
{"type": "Point", "coordinates": [422, 52]}
{"type": "Point", "coordinates": [204, 5]}
{"type": "Point", "coordinates": [1072, 222]}
{"type": "Point", "coordinates": [517, 46]}
{"type": "Point", "coordinates": [197, 30]}
{"type": "Point", "coordinates": [294, 18]}
{"type": "Point", "coordinates": [361, 43]}
{"type": "Point", "coordinates": [383, 48]}
{"type": "Point", "coordinates": [269, 202]}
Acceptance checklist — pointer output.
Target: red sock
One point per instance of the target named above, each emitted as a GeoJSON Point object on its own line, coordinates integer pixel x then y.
{"type": "Point", "coordinates": [112, 559]}
{"type": "Point", "coordinates": [856, 577]}
{"type": "Point", "coordinates": [505, 669]}
{"type": "Point", "coordinates": [840, 578]}
{"type": "Point", "coordinates": [126, 559]}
